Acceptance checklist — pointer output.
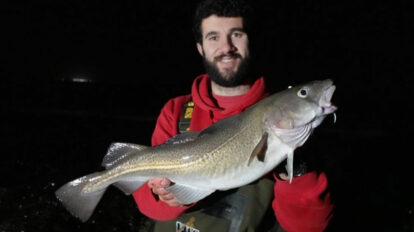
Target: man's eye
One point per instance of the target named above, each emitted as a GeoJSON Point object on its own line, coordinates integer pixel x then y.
{"type": "Point", "coordinates": [212, 38]}
{"type": "Point", "coordinates": [237, 34]}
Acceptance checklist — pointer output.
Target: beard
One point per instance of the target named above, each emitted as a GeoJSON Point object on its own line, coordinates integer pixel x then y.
{"type": "Point", "coordinates": [229, 78]}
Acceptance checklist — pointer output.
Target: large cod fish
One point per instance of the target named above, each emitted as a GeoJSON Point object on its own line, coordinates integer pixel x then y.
{"type": "Point", "coordinates": [230, 153]}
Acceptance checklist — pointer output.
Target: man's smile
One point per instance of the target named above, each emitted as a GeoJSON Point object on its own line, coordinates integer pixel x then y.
{"type": "Point", "coordinates": [227, 61]}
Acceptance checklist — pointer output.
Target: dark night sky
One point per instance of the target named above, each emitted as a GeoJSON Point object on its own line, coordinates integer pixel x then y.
{"type": "Point", "coordinates": [139, 54]}
{"type": "Point", "coordinates": [362, 46]}
{"type": "Point", "coordinates": [125, 41]}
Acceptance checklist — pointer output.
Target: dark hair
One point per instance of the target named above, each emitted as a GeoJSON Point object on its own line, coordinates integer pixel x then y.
{"type": "Point", "coordinates": [222, 8]}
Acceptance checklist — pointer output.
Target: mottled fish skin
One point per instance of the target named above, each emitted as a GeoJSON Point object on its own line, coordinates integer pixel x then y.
{"type": "Point", "coordinates": [230, 153]}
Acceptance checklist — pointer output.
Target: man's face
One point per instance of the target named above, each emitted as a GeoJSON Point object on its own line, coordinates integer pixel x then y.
{"type": "Point", "coordinates": [224, 49]}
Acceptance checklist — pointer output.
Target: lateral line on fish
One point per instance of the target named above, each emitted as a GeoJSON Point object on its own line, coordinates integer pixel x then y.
{"type": "Point", "coordinates": [139, 167]}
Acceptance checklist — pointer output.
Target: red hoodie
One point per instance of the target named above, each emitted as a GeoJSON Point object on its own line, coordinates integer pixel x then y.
{"type": "Point", "coordinates": [297, 206]}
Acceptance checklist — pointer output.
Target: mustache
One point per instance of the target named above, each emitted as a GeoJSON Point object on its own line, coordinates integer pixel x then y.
{"type": "Point", "coordinates": [229, 54]}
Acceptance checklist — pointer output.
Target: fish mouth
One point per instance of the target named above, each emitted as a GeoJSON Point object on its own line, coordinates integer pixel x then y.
{"type": "Point", "coordinates": [326, 105]}
{"type": "Point", "coordinates": [325, 101]}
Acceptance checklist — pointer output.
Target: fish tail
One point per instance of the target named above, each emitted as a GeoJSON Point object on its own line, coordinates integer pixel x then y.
{"type": "Point", "coordinates": [78, 200]}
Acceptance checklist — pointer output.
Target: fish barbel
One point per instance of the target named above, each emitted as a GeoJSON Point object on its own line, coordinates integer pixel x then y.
{"type": "Point", "coordinates": [228, 154]}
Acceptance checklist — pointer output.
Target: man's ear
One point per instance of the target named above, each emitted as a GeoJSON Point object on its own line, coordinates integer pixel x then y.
{"type": "Point", "coordinates": [200, 49]}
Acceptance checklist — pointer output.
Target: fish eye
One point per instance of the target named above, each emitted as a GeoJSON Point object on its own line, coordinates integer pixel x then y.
{"type": "Point", "coordinates": [303, 92]}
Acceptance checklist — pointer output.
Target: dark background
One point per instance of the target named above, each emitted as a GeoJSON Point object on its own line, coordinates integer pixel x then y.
{"type": "Point", "coordinates": [78, 75]}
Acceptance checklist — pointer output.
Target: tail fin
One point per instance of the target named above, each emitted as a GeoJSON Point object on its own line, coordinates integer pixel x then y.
{"type": "Point", "coordinates": [77, 201]}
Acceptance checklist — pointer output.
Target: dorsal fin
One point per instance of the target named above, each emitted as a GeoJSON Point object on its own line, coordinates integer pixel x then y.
{"type": "Point", "coordinates": [118, 151]}
{"type": "Point", "coordinates": [260, 150]}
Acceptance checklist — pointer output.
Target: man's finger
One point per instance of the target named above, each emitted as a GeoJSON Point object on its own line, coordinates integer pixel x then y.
{"type": "Point", "coordinates": [166, 197]}
{"type": "Point", "coordinates": [160, 191]}
{"type": "Point", "coordinates": [161, 182]}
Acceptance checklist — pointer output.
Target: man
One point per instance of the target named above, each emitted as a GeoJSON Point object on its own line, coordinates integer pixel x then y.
{"type": "Point", "coordinates": [222, 32]}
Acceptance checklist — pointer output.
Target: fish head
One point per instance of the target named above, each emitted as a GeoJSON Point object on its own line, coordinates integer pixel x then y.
{"type": "Point", "coordinates": [301, 108]}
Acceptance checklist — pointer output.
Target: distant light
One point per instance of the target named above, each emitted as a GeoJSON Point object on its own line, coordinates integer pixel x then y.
{"type": "Point", "coordinates": [289, 87]}
{"type": "Point", "coordinates": [80, 79]}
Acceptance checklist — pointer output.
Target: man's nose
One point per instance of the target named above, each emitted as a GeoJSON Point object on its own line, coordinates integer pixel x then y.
{"type": "Point", "coordinates": [227, 45]}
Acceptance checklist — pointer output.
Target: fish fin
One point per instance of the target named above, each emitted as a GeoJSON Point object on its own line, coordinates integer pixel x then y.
{"type": "Point", "coordinates": [186, 194]}
{"type": "Point", "coordinates": [260, 150]}
{"type": "Point", "coordinates": [182, 138]}
{"type": "Point", "coordinates": [289, 166]}
{"type": "Point", "coordinates": [79, 203]}
{"type": "Point", "coordinates": [118, 151]}
{"type": "Point", "coordinates": [128, 187]}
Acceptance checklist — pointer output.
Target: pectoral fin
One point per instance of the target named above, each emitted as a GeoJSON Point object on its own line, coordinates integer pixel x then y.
{"type": "Point", "coordinates": [187, 195]}
{"type": "Point", "coordinates": [260, 150]}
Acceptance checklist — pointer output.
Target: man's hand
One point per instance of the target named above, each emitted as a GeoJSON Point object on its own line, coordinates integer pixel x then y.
{"type": "Point", "coordinates": [158, 187]}
{"type": "Point", "coordinates": [298, 170]}
{"type": "Point", "coordinates": [283, 176]}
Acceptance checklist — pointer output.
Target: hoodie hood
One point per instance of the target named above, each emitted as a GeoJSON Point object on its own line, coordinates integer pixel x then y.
{"type": "Point", "coordinates": [202, 97]}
